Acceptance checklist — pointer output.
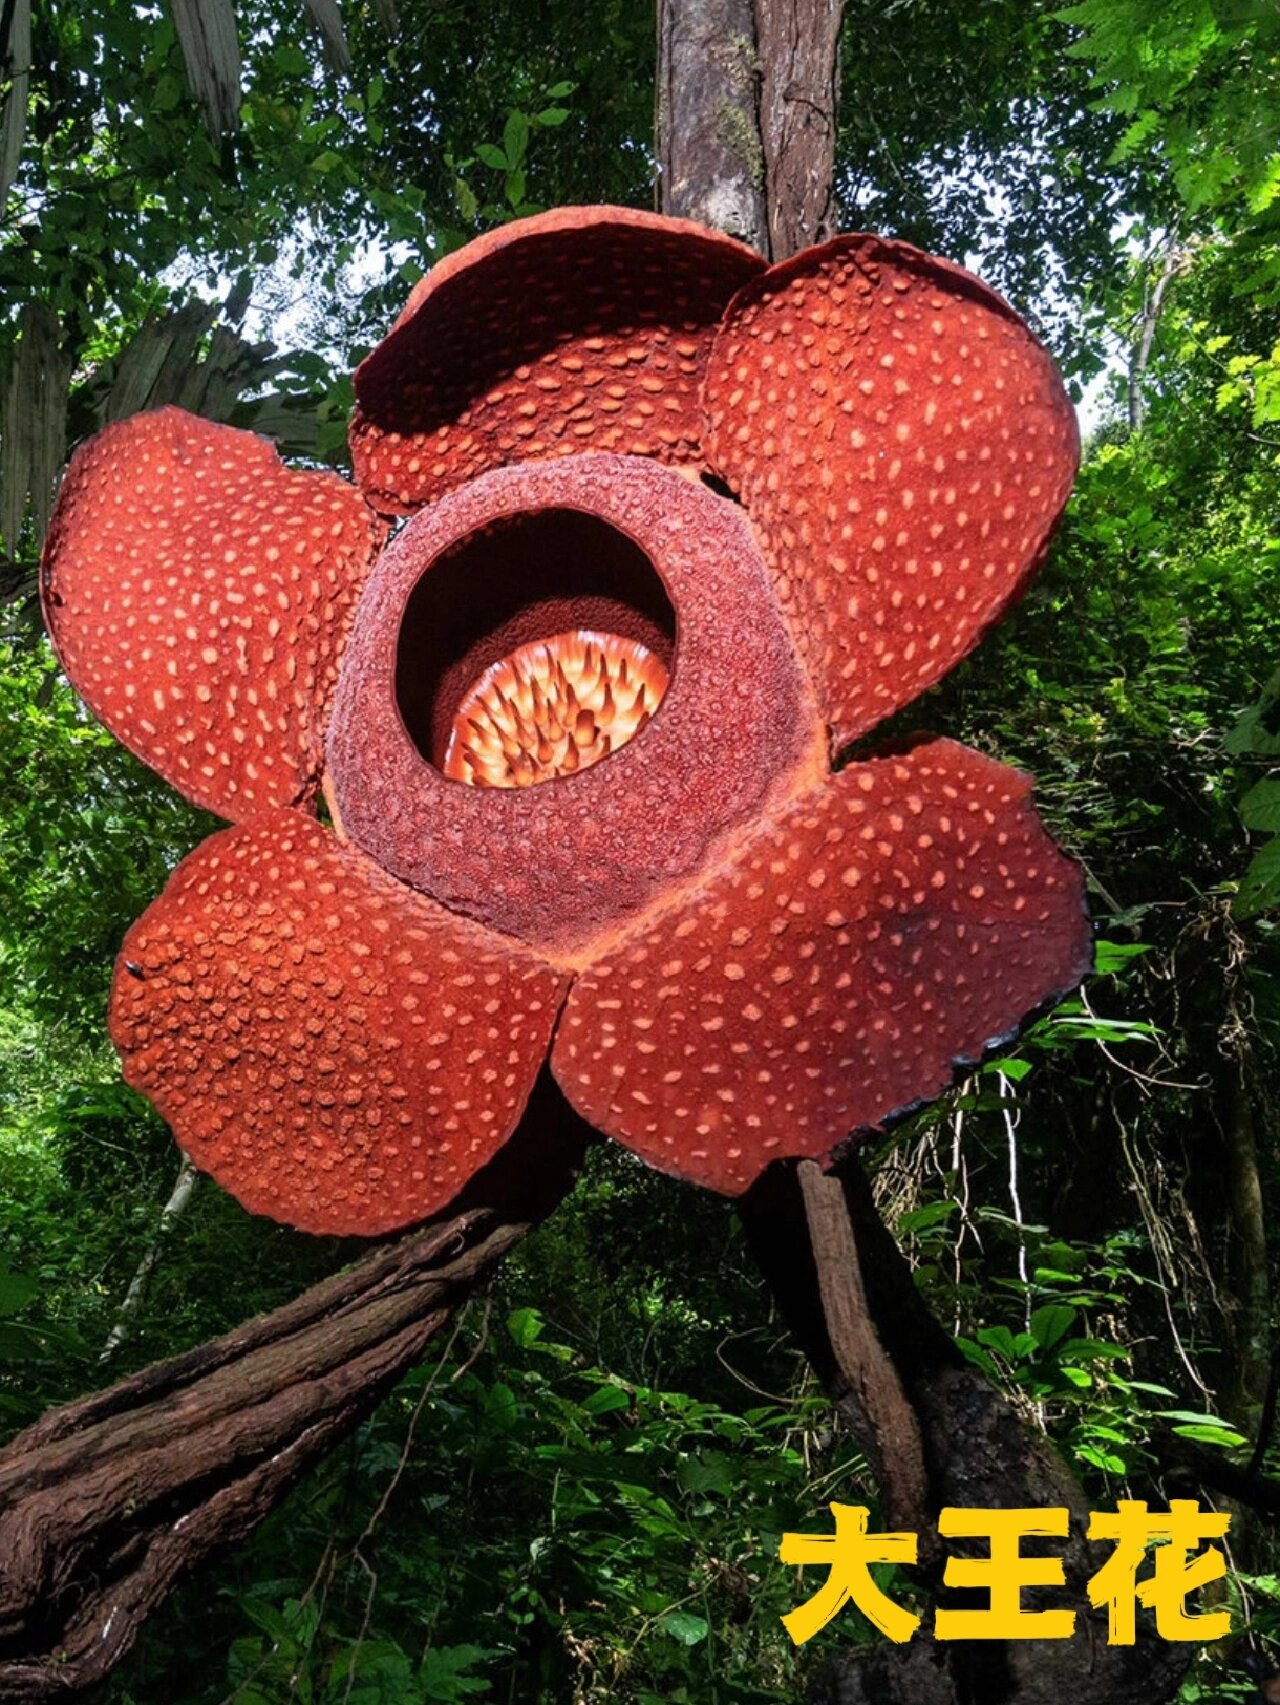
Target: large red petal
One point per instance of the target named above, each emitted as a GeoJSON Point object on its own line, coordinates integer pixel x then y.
{"type": "Point", "coordinates": [881, 931]}
{"type": "Point", "coordinates": [339, 1052]}
{"type": "Point", "coordinates": [198, 593]}
{"type": "Point", "coordinates": [585, 328]}
{"type": "Point", "coordinates": [905, 447]}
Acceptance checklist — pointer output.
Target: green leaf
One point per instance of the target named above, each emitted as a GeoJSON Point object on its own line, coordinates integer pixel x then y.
{"type": "Point", "coordinates": [525, 1326]}
{"type": "Point", "coordinates": [1211, 1435]}
{"type": "Point", "coordinates": [1012, 1067]}
{"type": "Point", "coordinates": [1091, 1350]}
{"type": "Point", "coordinates": [1104, 1459]}
{"type": "Point", "coordinates": [1258, 729]}
{"type": "Point", "coordinates": [500, 1407]}
{"type": "Point", "coordinates": [1109, 957]}
{"type": "Point", "coordinates": [1207, 1429]}
{"type": "Point", "coordinates": [606, 1399]}
{"type": "Point", "coordinates": [445, 1676]}
{"type": "Point", "coordinates": [558, 91]}
{"type": "Point", "coordinates": [1051, 1323]}
{"type": "Point", "coordinates": [920, 1219]}
{"type": "Point", "coordinates": [1260, 807]}
{"type": "Point", "coordinates": [551, 115]}
{"type": "Point", "coordinates": [1260, 885]}
{"type": "Point", "coordinates": [491, 156]}
{"type": "Point", "coordinates": [515, 138]}
{"type": "Point", "coordinates": [689, 1630]}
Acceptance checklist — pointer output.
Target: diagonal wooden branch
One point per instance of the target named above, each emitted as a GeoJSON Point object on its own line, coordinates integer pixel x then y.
{"type": "Point", "coordinates": [863, 1380]}
{"type": "Point", "coordinates": [328, 20]}
{"type": "Point", "coordinates": [104, 1502]}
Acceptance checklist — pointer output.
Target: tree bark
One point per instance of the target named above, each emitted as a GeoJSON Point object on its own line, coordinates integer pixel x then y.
{"type": "Point", "coordinates": [798, 41]}
{"type": "Point", "coordinates": [104, 1502]}
{"type": "Point", "coordinates": [1251, 1258]}
{"type": "Point", "coordinates": [708, 127]}
{"type": "Point", "coordinates": [873, 1404]}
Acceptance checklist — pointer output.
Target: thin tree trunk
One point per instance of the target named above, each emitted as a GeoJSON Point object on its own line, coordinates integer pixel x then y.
{"type": "Point", "coordinates": [873, 1403]}
{"type": "Point", "coordinates": [1171, 260]}
{"type": "Point", "coordinates": [708, 127]}
{"type": "Point", "coordinates": [172, 1211]}
{"type": "Point", "coordinates": [1252, 1262]}
{"type": "Point", "coordinates": [798, 42]}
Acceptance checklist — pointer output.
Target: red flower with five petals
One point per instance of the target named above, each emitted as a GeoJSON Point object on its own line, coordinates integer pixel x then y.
{"type": "Point", "coordinates": [683, 527]}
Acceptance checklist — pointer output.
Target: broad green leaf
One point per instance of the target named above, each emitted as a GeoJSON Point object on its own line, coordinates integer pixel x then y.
{"type": "Point", "coordinates": [1051, 1323]}
{"type": "Point", "coordinates": [525, 1326]}
{"type": "Point", "coordinates": [605, 1399]}
{"type": "Point", "coordinates": [1260, 807]}
{"type": "Point", "coordinates": [687, 1629]}
{"type": "Point", "coordinates": [1110, 957]}
{"type": "Point", "coordinates": [1224, 1436]}
{"type": "Point", "coordinates": [920, 1219]}
{"type": "Point", "coordinates": [1260, 885]}
{"type": "Point", "coordinates": [500, 1406]}
{"type": "Point", "coordinates": [515, 139]}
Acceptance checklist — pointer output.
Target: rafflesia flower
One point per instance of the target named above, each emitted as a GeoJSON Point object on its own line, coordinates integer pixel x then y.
{"type": "Point", "coordinates": [683, 528]}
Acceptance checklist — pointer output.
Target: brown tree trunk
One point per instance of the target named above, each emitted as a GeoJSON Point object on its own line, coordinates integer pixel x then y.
{"type": "Point", "coordinates": [1251, 1260]}
{"type": "Point", "coordinates": [708, 126]}
{"type": "Point", "coordinates": [798, 42]}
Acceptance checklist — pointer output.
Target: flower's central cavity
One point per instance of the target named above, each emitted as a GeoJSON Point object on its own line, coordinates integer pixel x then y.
{"type": "Point", "coordinates": [553, 707]}
{"type": "Point", "coordinates": [532, 648]}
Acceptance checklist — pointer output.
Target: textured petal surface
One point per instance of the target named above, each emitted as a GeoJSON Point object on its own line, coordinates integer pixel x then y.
{"type": "Point", "coordinates": [890, 926]}
{"type": "Point", "coordinates": [905, 447]}
{"type": "Point", "coordinates": [514, 557]}
{"type": "Point", "coordinates": [340, 1053]}
{"type": "Point", "coordinates": [198, 593]}
{"type": "Point", "coordinates": [585, 328]}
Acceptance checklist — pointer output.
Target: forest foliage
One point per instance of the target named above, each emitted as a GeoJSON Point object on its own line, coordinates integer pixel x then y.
{"type": "Point", "coordinates": [581, 1497]}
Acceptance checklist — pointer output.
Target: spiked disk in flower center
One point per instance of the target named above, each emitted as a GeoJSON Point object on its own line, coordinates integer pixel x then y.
{"type": "Point", "coordinates": [552, 707]}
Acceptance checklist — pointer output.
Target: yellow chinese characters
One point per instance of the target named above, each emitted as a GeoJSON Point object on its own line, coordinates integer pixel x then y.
{"type": "Point", "coordinates": [1175, 1573]}
{"type": "Point", "coordinates": [1178, 1568]}
{"type": "Point", "coordinates": [847, 1558]}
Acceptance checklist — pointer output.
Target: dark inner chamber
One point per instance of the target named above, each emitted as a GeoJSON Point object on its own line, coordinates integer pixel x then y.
{"type": "Point", "coordinates": [520, 579]}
